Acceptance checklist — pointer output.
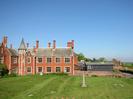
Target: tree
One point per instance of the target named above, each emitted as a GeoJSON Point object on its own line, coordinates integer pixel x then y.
{"type": "Point", "coordinates": [3, 70]}
{"type": "Point", "coordinates": [102, 59]}
{"type": "Point", "coordinates": [81, 56]}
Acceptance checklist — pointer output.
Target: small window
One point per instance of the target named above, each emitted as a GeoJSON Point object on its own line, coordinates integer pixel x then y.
{"type": "Point", "coordinates": [48, 69]}
{"type": "Point", "coordinates": [28, 69]}
{"type": "Point", "coordinates": [29, 60]}
{"type": "Point", "coordinates": [48, 60]}
{"type": "Point", "coordinates": [67, 69]}
{"type": "Point", "coordinates": [57, 60]}
{"type": "Point", "coordinates": [40, 59]}
{"type": "Point", "coordinates": [67, 60]}
{"type": "Point", "coordinates": [39, 69]}
{"type": "Point", "coordinates": [2, 60]}
{"type": "Point", "coordinates": [15, 60]}
{"type": "Point", "coordinates": [58, 69]}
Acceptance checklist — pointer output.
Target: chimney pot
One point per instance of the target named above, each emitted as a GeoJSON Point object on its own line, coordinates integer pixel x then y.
{"type": "Point", "coordinates": [49, 44]}
{"type": "Point", "coordinates": [37, 44]}
{"type": "Point", "coordinates": [54, 44]}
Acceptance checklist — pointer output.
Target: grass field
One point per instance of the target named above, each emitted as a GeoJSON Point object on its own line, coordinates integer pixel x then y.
{"type": "Point", "coordinates": [57, 86]}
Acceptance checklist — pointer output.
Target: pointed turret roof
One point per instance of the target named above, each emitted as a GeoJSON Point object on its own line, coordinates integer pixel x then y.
{"type": "Point", "coordinates": [22, 45]}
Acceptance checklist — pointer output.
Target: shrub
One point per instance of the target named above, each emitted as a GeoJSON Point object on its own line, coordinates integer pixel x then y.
{"type": "Point", "coordinates": [13, 75]}
{"type": "Point", "coordinates": [57, 73]}
{"type": "Point", "coordinates": [3, 70]}
{"type": "Point", "coordinates": [94, 76]}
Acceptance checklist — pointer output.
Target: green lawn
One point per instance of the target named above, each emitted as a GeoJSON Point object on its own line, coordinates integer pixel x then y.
{"type": "Point", "coordinates": [53, 86]}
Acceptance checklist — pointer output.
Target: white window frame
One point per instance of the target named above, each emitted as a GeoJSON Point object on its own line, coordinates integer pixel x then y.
{"type": "Point", "coordinates": [27, 69]}
{"type": "Point", "coordinates": [38, 69]}
{"type": "Point", "coordinates": [47, 60]}
{"type": "Point", "coordinates": [38, 58]}
{"type": "Point", "coordinates": [60, 69]}
{"type": "Point", "coordinates": [66, 71]}
{"type": "Point", "coordinates": [50, 71]}
{"type": "Point", "coordinates": [14, 60]}
{"type": "Point", "coordinates": [59, 58]}
{"type": "Point", "coordinates": [65, 59]}
{"type": "Point", "coordinates": [29, 61]}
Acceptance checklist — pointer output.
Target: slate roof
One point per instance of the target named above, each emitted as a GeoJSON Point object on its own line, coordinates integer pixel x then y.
{"type": "Point", "coordinates": [22, 45]}
{"type": "Point", "coordinates": [48, 52]}
{"type": "Point", "coordinates": [13, 52]}
{"type": "Point", "coordinates": [59, 52]}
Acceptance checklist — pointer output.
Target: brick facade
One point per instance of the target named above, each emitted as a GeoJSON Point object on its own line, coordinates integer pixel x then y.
{"type": "Point", "coordinates": [39, 60]}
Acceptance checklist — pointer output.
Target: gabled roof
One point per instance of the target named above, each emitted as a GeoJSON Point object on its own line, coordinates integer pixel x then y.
{"type": "Point", "coordinates": [13, 52]}
{"type": "Point", "coordinates": [22, 45]}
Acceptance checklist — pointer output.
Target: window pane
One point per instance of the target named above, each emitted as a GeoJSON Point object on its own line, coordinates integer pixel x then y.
{"type": "Point", "coordinates": [29, 59]}
{"type": "Point", "coordinates": [39, 60]}
{"type": "Point", "coordinates": [28, 69]}
{"type": "Point", "coordinates": [39, 69]}
{"type": "Point", "coordinates": [15, 60]}
{"type": "Point", "coordinates": [57, 60]}
{"type": "Point", "coordinates": [67, 69]}
{"type": "Point", "coordinates": [67, 60]}
{"type": "Point", "coordinates": [58, 69]}
{"type": "Point", "coordinates": [48, 60]}
{"type": "Point", "coordinates": [48, 69]}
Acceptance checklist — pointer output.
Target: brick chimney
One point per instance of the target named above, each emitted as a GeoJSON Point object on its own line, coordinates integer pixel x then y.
{"type": "Point", "coordinates": [49, 44]}
{"type": "Point", "coordinates": [5, 41]}
{"type": "Point", "coordinates": [69, 44]}
{"type": "Point", "coordinates": [37, 44]}
{"type": "Point", "coordinates": [72, 44]}
{"type": "Point", "coordinates": [10, 46]}
{"type": "Point", "coordinates": [54, 44]}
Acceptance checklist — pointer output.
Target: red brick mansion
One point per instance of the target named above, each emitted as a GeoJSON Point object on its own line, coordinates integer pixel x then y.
{"type": "Point", "coordinates": [36, 60]}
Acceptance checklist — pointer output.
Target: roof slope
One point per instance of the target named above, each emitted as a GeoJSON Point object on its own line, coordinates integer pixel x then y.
{"type": "Point", "coordinates": [22, 45]}
{"type": "Point", "coordinates": [48, 52]}
{"type": "Point", "coordinates": [13, 52]}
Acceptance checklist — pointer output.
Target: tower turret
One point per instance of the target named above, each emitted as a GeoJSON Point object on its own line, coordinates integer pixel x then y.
{"type": "Point", "coordinates": [22, 52]}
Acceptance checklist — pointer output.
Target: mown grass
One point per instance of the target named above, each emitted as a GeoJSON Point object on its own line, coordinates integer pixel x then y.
{"type": "Point", "coordinates": [57, 86]}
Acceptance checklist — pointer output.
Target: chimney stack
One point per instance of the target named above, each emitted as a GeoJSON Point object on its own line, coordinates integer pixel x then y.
{"type": "Point", "coordinates": [10, 46]}
{"type": "Point", "coordinates": [54, 44]}
{"type": "Point", "coordinates": [69, 44]}
{"type": "Point", "coordinates": [72, 44]}
{"type": "Point", "coordinates": [37, 44]}
{"type": "Point", "coordinates": [5, 41]}
{"type": "Point", "coordinates": [49, 44]}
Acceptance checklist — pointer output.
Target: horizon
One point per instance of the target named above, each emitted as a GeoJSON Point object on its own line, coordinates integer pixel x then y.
{"type": "Point", "coordinates": [99, 28]}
